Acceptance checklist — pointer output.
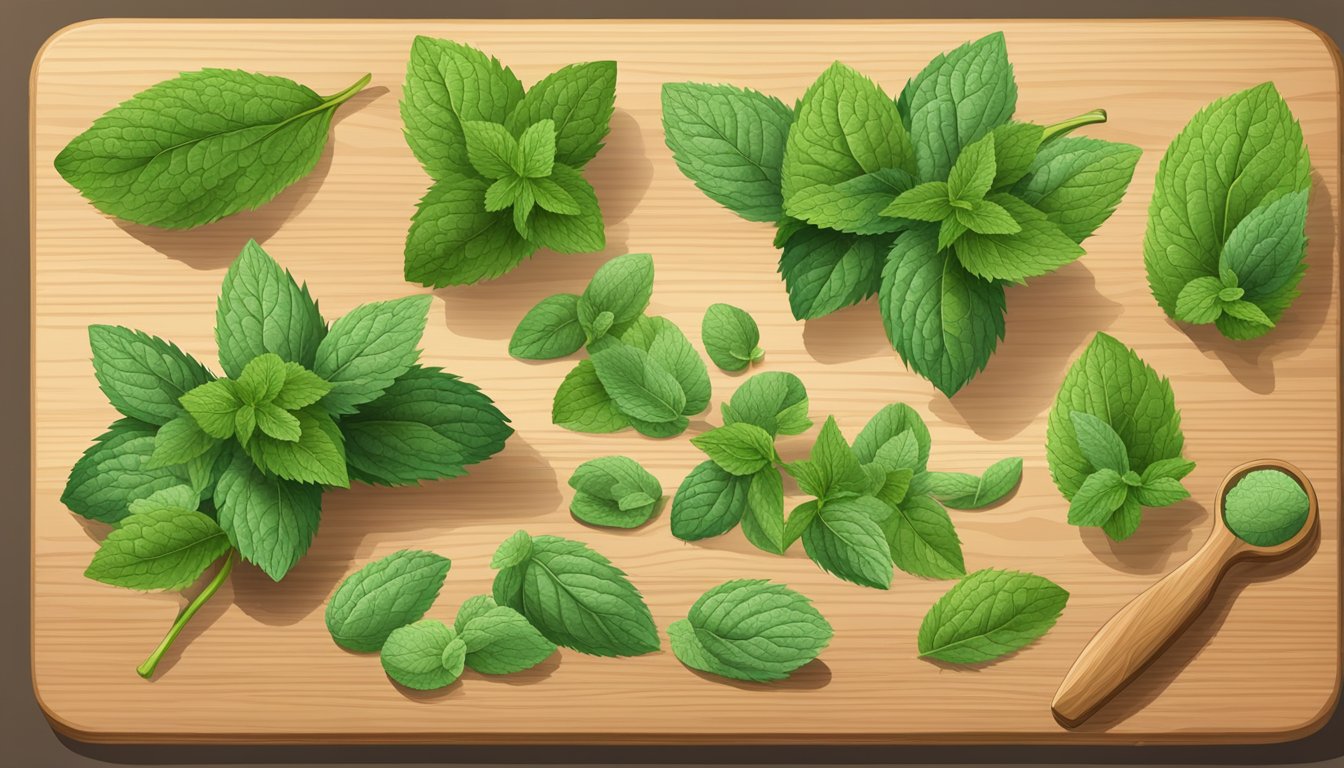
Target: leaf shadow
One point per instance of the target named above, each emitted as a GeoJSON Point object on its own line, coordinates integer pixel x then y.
{"type": "Point", "coordinates": [812, 676]}
{"type": "Point", "coordinates": [216, 245]}
{"type": "Point", "coordinates": [1162, 536]}
{"type": "Point", "coordinates": [531, 676]}
{"type": "Point", "coordinates": [355, 520]}
{"type": "Point", "coordinates": [449, 691]}
{"type": "Point", "coordinates": [852, 333]}
{"type": "Point", "coordinates": [1251, 362]}
{"type": "Point", "coordinates": [1048, 320]}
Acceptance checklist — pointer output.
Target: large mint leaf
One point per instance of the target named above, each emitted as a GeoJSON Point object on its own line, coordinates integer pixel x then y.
{"type": "Point", "coordinates": [825, 271]}
{"type": "Point", "coordinates": [424, 655]}
{"type": "Point", "coordinates": [709, 502]}
{"type": "Point", "coordinates": [269, 519]}
{"type": "Point", "coordinates": [368, 349]}
{"type": "Point", "coordinates": [1077, 182]}
{"type": "Point", "coordinates": [579, 98]}
{"type": "Point", "coordinates": [641, 387]}
{"type": "Point", "coordinates": [386, 594]}
{"type": "Point", "coordinates": [923, 540]}
{"type": "Point", "coordinates": [318, 456]}
{"type": "Point", "coordinates": [549, 330]}
{"type": "Point", "coordinates": [454, 240]}
{"type": "Point", "coordinates": [730, 142]}
{"type": "Point", "coordinates": [201, 146]}
{"type": "Point", "coordinates": [1266, 252]}
{"type": "Point", "coordinates": [143, 376]}
{"type": "Point", "coordinates": [166, 548]}
{"type": "Point", "coordinates": [847, 540]}
{"type": "Point", "coordinates": [583, 405]}
{"type": "Point", "coordinates": [775, 401]}
{"type": "Point", "coordinates": [1038, 246]}
{"type": "Point", "coordinates": [115, 471]}
{"type": "Point", "coordinates": [581, 232]}
{"type": "Point", "coordinates": [988, 614]}
{"type": "Point", "coordinates": [262, 309]}
{"type": "Point", "coordinates": [888, 424]}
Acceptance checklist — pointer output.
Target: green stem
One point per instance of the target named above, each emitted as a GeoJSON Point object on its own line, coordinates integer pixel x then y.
{"type": "Point", "coordinates": [1064, 126]}
{"type": "Point", "coordinates": [335, 99]}
{"type": "Point", "coordinates": [146, 670]}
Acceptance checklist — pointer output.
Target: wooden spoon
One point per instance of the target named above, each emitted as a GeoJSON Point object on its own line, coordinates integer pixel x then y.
{"type": "Point", "coordinates": [1150, 622]}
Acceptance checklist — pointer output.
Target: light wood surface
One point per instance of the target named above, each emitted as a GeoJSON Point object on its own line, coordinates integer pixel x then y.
{"type": "Point", "coordinates": [1261, 664]}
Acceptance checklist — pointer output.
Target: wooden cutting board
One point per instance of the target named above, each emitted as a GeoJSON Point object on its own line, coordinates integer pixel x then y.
{"type": "Point", "coordinates": [257, 665]}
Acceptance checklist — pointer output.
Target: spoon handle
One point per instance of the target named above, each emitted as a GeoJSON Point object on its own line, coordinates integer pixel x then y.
{"type": "Point", "coordinates": [1139, 631]}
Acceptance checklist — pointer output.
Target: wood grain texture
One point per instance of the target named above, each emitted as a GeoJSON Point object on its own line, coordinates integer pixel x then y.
{"type": "Point", "coordinates": [1261, 664]}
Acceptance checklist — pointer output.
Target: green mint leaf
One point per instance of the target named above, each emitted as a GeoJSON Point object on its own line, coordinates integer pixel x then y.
{"type": "Point", "coordinates": [176, 497]}
{"type": "Point", "coordinates": [614, 492]}
{"type": "Point", "coordinates": [245, 422]}
{"type": "Point", "coordinates": [775, 401]}
{"type": "Point", "coordinates": [640, 387]}
{"type": "Point", "coordinates": [1199, 302]}
{"type": "Point", "coordinates": [740, 449]}
{"type": "Point", "coordinates": [1247, 312]}
{"type": "Point", "coordinates": [178, 442]}
{"type": "Point", "coordinates": [847, 540]}
{"type": "Point", "coordinates": [382, 596]}
{"type": "Point", "coordinates": [899, 453]}
{"type": "Point", "coordinates": [594, 324]}
{"type": "Point", "coordinates": [973, 171]}
{"type": "Point", "coordinates": [168, 548]}
{"type": "Point", "coordinates": [1015, 148]}
{"type": "Point", "coordinates": [301, 389]}
{"type": "Point", "coordinates": [892, 422]}
{"type": "Point", "coordinates": [1038, 247]}
{"type": "Point", "coordinates": [949, 231]}
{"type": "Point", "coordinates": [730, 336]}
{"type": "Point", "coordinates": [261, 380]}
{"type": "Point", "coordinates": [115, 471]}
{"type": "Point", "coordinates": [549, 330]}
{"type": "Point", "coordinates": [832, 469]}
{"type": "Point", "coordinates": [1077, 182]}
{"type": "Point", "coordinates": [622, 286]}
{"type": "Point", "coordinates": [763, 520]}
{"type": "Point", "coordinates": [1125, 521]}
{"type": "Point", "coordinates": [1175, 469]}
{"type": "Point", "coordinates": [1266, 508]}
{"type": "Point", "coordinates": [262, 309]}
{"type": "Point", "coordinates": [448, 83]}
{"type": "Point", "coordinates": [491, 149]}
{"type": "Point", "coordinates": [553, 197]}
{"type": "Point", "coordinates": [1265, 256]}
{"type": "Point", "coordinates": [750, 630]}
{"type": "Point", "coordinates": [929, 201]}
{"type": "Point", "coordinates": [506, 192]}
{"type": "Point", "coordinates": [730, 142]}
{"type": "Point", "coordinates": [942, 321]}
{"type": "Point", "coordinates": [582, 404]}
{"type": "Point", "coordinates": [1099, 497]}
{"type": "Point", "coordinates": [1099, 443]}
{"type": "Point", "coordinates": [825, 270]}
{"type": "Point", "coordinates": [923, 540]}
{"type": "Point", "coordinates": [536, 150]}
{"type": "Point", "coordinates": [368, 349]}
{"type": "Point", "coordinates": [1161, 492]}
{"type": "Point", "coordinates": [143, 376]}
{"type": "Point", "coordinates": [454, 240]}
{"type": "Point", "coordinates": [671, 350]}
{"type": "Point", "coordinates": [269, 519]}
{"type": "Point", "coordinates": [498, 639]}
{"type": "Point", "coordinates": [318, 456]}
{"type": "Point", "coordinates": [200, 146]}
{"type": "Point", "coordinates": [989, 614]}
{"type": "Point", "coordinates": [799, 520]}
{"type": "Point", "coordinates": [576, 598]}
{"type": "Point", "coordinates": [959, 97]}
{"type": "Point", "coordinates": [986, 217]}
{"type": "Point", "coordinates": [427, 425]}
{"type": "Point", "coordinates": [424, 655]}
{"type": "Point", "coordinates": [844, 128]}
{"type": "Point", "coordinates": [1254, 138]}
{"type": "Point", "coordinates": [709, 502]}
{"type": "Point", "coordinates": [579, 100]}
{"type": "Point", "coordinates": [1110, 382]}
{"type": "Point", "coordinates": [513, 551]}
{"type": "Point", "coordinates": [963, 491]}
{"type": "Point", "coordinates": [214, 406]}
{"type": "Point", "coordinates": [581, 232]}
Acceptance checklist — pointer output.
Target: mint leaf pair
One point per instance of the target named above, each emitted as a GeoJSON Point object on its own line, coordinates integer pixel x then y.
{"type": "Point", "coordinates": [933, 200]}
{"type": "Point", "coordinates": [201, 146]}
{"type": "Point", "coordinates": [506, 162]}
{"type": "Point", "coordinates": [642, 372]}
{"type": "Point", "coordinates": [731, 337]}
{"type": "Point", "coordinates": [1226, 237]}
{"type": "Point", "coordinates": [1114, 440]}
{"type": "Point", "coordinates": [303, 407]}
{"type": "Point", "coordinates": [614, 492]}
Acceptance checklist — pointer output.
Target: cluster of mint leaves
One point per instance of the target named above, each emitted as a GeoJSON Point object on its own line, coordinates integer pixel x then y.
{"type": "Point", "coordinates": [935, 201]}
{"type": "Point", "coordinates": [731, 337]}
{"type": "Point", "coordinates": [202, 467]}
{"type": "Point", "coordinates": [200, 146]}
{"type": "Point", "coordinates": [381, 607]}
{"type": "Point", "coordinates": [1226, 237]}
{"type": "Point", "coordinates": [875, 505]}
{"type": "Point", "coordinates": [1114, 440]}
{"type": "Point", "coordinates": [614, 492]}
{"type": "Point", "coordinates": [506, 163]}
{"type": "Point", "coordinates": [641, 370]}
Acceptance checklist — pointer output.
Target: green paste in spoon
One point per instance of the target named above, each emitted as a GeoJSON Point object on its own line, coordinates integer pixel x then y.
{"type": "Point", "coordinates": [1266, 508]}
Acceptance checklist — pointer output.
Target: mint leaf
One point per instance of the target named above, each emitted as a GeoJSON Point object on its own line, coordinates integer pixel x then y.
{"type": "Point", "coordinates": [301, 388]}
{"type": "Point", "coordinates": [368, 349]}
{"type": "Point", "coordinates": [491, 149]}
{"type": "Point", "coordinates": [1099, 497]}
{"type": "Point", "coordinates": [549, 330]}
{"type": "Point", "coordinates": [1015, 148]}
{"type": "Point", "coordinates": [640, 387]}
{"type": "Point", "coordinates": [1099, 443]}
{"type": "Point", "coordinates": [1077, 182]}
{"type": "Point", "coordinates": [270, 520]}
{"type": "Point", "coordinates": [944, 322]}
{"type": "Point", "coordinates": [583, 405]}
{"type": "Point", "coordinates": [709, 502]}
{"type": "Point", "coordinates": [1174, 469]}
{"type": "Point", "coordinates": [427, 425]}
{"type": "Point", "coordinates": [986, 217]}
{"type": "Point", "coordinates": [115, 471]}
{"type": "Point", "coordinates": [143, 376]}
{"type": "Point", "coordinates": [1199, 302]}
{"type": "Point", "coordinates": [167, 548]}
{"type": "Point", "coordinates": [672, 351]}
{"type": "Point", "coordinates": [581, 232]}
{"type": "Point", "coordinates": [750, 630]}
{"type": "Point", "coordinates": [988, 614]}
{"type": "Point", "coordinates": [731, 337]}
{"type": "Point", "coordinates": [890, 423]}
{"type": "Point", "coordinates": [214, 406]}
{"type": "Point", "coordinates": [262, 309]}
{"type": "Point", "coordinates": [1160, 492]}
{"type": "Point", "coordinates": [763, 520]}
{"type": "Point", "coordinates": [775, 401]}
{"type": "Point", "coordinates": [424, 655]}
{"type": "Point", "coordinates": [1036, 248]}
{"type": "Point", "coordinates": [318, 456]}
{"type": "Point", "coordinates": [962, 491]}
{"type": "Point", "coordinates": [454, 240]}
{"type": "Point", "coordinates": [200, 146]}
{"type": "Point", "coordinates": [498, 639]}
{"type": "Point", "coordinates": [178, 442]}
{"type": "Point", "coordinates": [930, 201]}
{"type": "Point", "coordinates": [536, 150]}
{"type": "Point", "coordinates": [740, 449]}
{"type": "Point", "coordinates": [973, 171]}
{"type": "Point", "coordinates": [382, 596]}
{"type": "Point", "coordinates": [261, 380]}
{"type": "Point", "coordinates": [1266, 248]}
{"type": "Point", "coordinates": [846, 540]}
{"type": "Point", "coordinates": [448, 83]}
{"type": "Point", "coordinates": [622, 286]}
{"type": "Point", "coordinates": [1125, 521]}
{"type": "Point", "coordinates": [1266, 507]}
{"type": "Point", "coordinates": [578, 599]}
{"type": "Point", "coordinates": [614, 492]}
{"type": "Point", "coordinates": [832, 470]}
{"type": "Point", "coordinates": [825, 270]}
{"type": "Point", "coordinates": [177, 497]}
{"type": "Point", "coordinates": [799, 520]}
{"type": "Point", "coordinates": [730, 142]}
{"type": "Point", "coordinates": [923, 541]}
{"type": "Point", "coordinates": [844, 128]}
{"type": "Point", "coordinates": [579, 100]}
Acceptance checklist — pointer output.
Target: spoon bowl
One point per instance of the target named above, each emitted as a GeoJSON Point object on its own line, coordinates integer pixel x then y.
{"type": "Point", "coordinates": [1246, 550]}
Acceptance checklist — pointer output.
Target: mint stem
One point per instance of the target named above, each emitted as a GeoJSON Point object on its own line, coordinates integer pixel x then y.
{"type": "Point", "coordinates": [1064, 126]}
{"type": "Point", "coordinates": [146, 670]}
{"type": "Point", "coordinates": [339, 98]}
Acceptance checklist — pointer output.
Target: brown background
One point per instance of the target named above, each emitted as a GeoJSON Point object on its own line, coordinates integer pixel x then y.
{"type": "Point", "coordinates": [26, 738]}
